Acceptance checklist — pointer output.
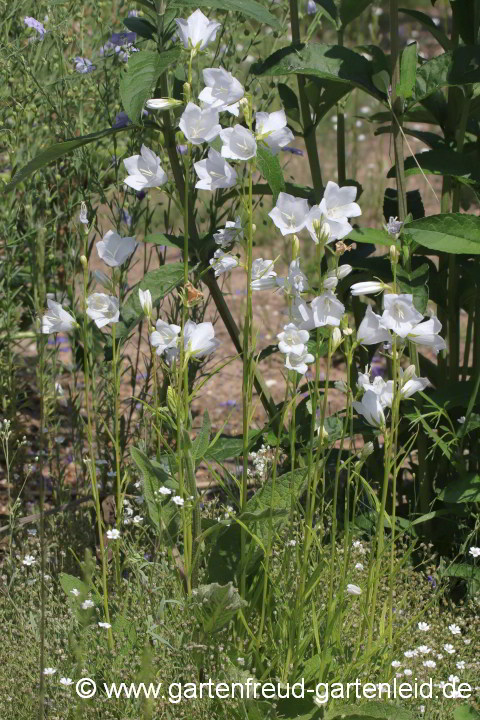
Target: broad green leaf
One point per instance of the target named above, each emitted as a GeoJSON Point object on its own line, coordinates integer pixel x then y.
{"type": "Point", "coordinates": [202, 441]}
{"type": "Point", "coordinates": [451, 233]}
{"type": "Point", "coordinates": [331, 62]}
{"type": "Point", "coordinates": [289, 102]}
{"type": "Point", "coordinates": [138, 81]}
{"type": "Point", "coordinates": [54, 152]}
{"type": "Point", "coordinates": [460, 67]}
{"type": "Point", "coordinates": [160, 282]}
{"type": "Point", "coordinates": [215, 605]}
{"type": "Point", "coordinates": [166, 240]}
{"type": "Point", "coordinates": [269, 166]}
{"type": "Point", "coordinates": [466, 712]}
{"type": "Point", "coordinates": [434, 141]}
{"type": "Point", "coordinates": [70, 582]}
{"type": "Point", "coordinates": [227, 448]}
{"type": "Point", "coordinates": [416, 283]}
{"type": "Point", "coordinates": [428, 23]}
{"type": "Point", "coordinates": [249, 8]}
{"type": "Point", "coordinates": [328, 9]}
{"type": "Point", "coordinates": [442, 162]}
{"type": "Point", "coordinates": [351, 9]}
{"type": "Point", "coordinates": [371, 235]}
{"type": "Point", "coordinates": [141, 26]}
{"type": "Point", "coordinates": [408, 71]}
{"type": "Point", "coordinates": [462, 491]}
{"type": "Point", "coordinates": [463, 571]}
{"type": "Point", "coordinates": [324, 94]}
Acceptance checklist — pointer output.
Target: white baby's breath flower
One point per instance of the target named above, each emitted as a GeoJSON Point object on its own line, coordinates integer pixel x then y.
{"type": "Point", "coordinates": [460, 665]}
{"type": "Point", "coordinates": [474, 551]}
{"type": "Point", "coordinates": [178, 500]}
{"type": "Point", "coordinates": [49, 671]}
{"type": "Point", "coordinates": [66, 681]}
{"type": "Point", "coordinates": [105, 625]}
{"type": "Point", "coordinates": [75, 592]}
{"type": "Point", "coordinates": [29, 560]}
{"type": "Point", "coordinates": [424, 649]}
{"type": "Point", "coordinates": [423, 626]}
{"type": "Point", "coordinates": [86, 604]}
{"type": "Point", "coordinates": [429, 664]}
{"type": "Point", "coordinates": [113, 534]}
{"type": "Point", "coordinates": [448, 647]}
{"type": "Point", "coordinates": [164, 490]}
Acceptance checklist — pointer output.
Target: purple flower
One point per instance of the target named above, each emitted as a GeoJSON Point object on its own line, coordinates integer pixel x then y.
{"type": "Point", "coordinates": [228, 403]}
{"type": "Point", "coordinates": [121, 120]}
{"type": "Point", "coordinates": [122, 38]}
{"type": "Point", "coordinates": [127, 218]}
{"type": "Point", "coordinates": [432, 581]}
{"type": "Point", "coordinates": [83, 65]}
{"type": "Point", "coordinates": [35, 24]}
{"type": "Point", "coordinates": [141, 194]}
{"type": "Point", "coordinates": [311, 7]}
{"type": "Point", "coordinates": [294, 151]}
{"type": "Point", "coordinates": [182, 149]}
{"type": "Point", "coordinates": [132, 13]}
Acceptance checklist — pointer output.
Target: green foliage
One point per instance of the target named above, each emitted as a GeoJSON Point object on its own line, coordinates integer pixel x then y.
{"type": "Point", "coordinates": [215, 605]}
{"type": "Point", "coordinates": [451, 233]}
{"type": "Point", "coordinates": [141, 76]}
{"type": "Point", "coordinates": [270, 167]}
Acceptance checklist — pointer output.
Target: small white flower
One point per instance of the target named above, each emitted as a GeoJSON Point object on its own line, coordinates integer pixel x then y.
{"type": "Point", "coordinates": [427, 333]}
{"type": "Point", "coordinates": [299, 362]}
{"type": "Point", "coordinates": [367, 288]}
{"type": "Point", "coordinates": [197, 31]}
{"type": "Point", "coordinates": [178, 500]}
{"type": "Point", "coordinates": [424, 649]}
{"type": "Point", "coordinates": [232, 232]}
{"type": "Point", "coordinates": [340, 272]}
{"type": "Point", "coordinates": [467, 641]}
{"type": "Point", "coordinates": [56, 319]}
{"type": "Point", "coordinates": [164, 490]}
{"type": "Point", "coordinates": [113, 534]}
{"type": "Point", "coordinates": [222, 91]}
{"type": "Point", "coordinates": [105, 625]}
{"type": "Point", "coordinates": [263, 275]}
{"type": "Point", "coordinates": [399, 314]}
{"type": "Point", "coordinates": [114, 249]}
{"type": "Point", "coordinates": [223, 262]}
{"type": "Point", "coordinates": [103, 309]}
{"type": "Point", "coordinates": [165, 336]}
{"type": "Point", "coordinates": [83, 217]}
{"type": "Point", "coordinates": [353, 589]}
{"type": "Point", "coordinates": [289, 214]}
{"type": "Point", "coordinates": [429, 664]}
{"type": "Point", "coordinates": [241, 660]}
{"type": "Point", "coordinates": [214, 172]}
{"type": "Point", "coordinates": [29, 560]}
{"type": "Point", "coordinates": [137, 519]}
{"type": "Point", "coordinates": [396, 663]}
{"type": "Point", "coordinates": [474, 551]}
{"type": "Point", "coordinates": [359, 566]}
{"type": "Point", "coordinates": [407, 672]}
{"type": "Point", "coordinates": [423, 626]}
{"type": "Point", "coordinates": [49, 671]}
{"type": "Point", "coordinates": [75, 592]}
{"type": "Point", "coordinates": [86, 604]}
{"type": "Point", "coordinates": [371, 330]}
{"type": "Point", "coordinates": [296, 281]}
{"type": "Point", "coordinates": [144, 170]}
{"type": "Point", "coordinates": [238, 143]}
{"type": "Point", "coordinates": [272, 129]}
{"type": "Point", "coordinates": [145, 297]}
{"type": "Point", "coordinates": [66, 681]}
{"type": "Point", "coordinates": [291, 339]}
{"type": "Point", "coordinates": [199, 340]}
{"type": "Point", "coordinates": [410, 653]}
{"type": "Point", "coordinates": [371, 408]}
{"type": "Point", "coordinates": [199, 125]}
{"type": "Point", "coordinates": [453, 679]}
{"type": "Point", "coordinates": [460, 665]}
{"type": "Point", "coordinates": [411, 384]}
{"type": "Point", "coordinates": [448, 647]}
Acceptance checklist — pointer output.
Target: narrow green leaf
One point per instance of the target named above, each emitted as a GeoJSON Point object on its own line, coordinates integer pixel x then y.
{"type": "Point", "coordinates": [451, 233]}
{"type": "Point", "coordinates": [428, 23]}
{"type": "Point", "coordinates": [442, 162]}
{"type": "Point", "coordinates": [331, 62]}
{"type": "Point", "coordinates": [371, 235]}
{"type": "Point", "coordinates": [202, 441]}
{"type": "Point", "coordinates": [328, 9]}
{"type": "Point", "coordinates": [249, 8]}
{"type": "Point", "coordinates": [351, 9]}
{"type": "Point", "coordinates": [270, 167]}
{"type": "Point", "coordinates": [166, 240]}
{"type": "Point", "coordinates": [140, 77]}
{"type": "Point", "coordinates": [54, 152]}
{"type": "Point", "coordinates": [408, 71]}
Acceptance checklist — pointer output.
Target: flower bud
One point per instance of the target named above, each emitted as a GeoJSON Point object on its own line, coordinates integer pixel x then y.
{"type": "Point", "coordinates": [84, 261]}
{"type": "Point", "coordinates": [394, 254]}
{"type": "Point", "coordinates": [330, 283]}
{"type": "Point", "coordinates": [83, 217]}
{"type": "Point", "coordinates": [295, 247]}
{"type": "Point", "coordinates": [369, 287]}
{"type": "Point", "coordinates": [145, 298]}
{"type": "Point", "coordinates": [366, 451]}
{"type": "Point", "coordinates": [336, 338]}
{"type": "Point", "coordinates": [408, 373]}
{"type": "Point", "coordinates": [162, 103]}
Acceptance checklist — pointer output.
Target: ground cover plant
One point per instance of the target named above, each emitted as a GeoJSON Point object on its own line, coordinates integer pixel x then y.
{"type": "Point", "coordinates": [240, 353]}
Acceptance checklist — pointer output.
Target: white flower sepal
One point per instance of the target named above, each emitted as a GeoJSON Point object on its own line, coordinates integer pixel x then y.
{"type": "Point", "coordinates": [56, 319]}
{"type": "Point", "coordinates": [144, 170]}
{"type": "Point", "coordinates": [197, 31]}
{"type": "Point", "coordinates": [114, 249]}
{"type": "Point", "coordinates": [103, 309]}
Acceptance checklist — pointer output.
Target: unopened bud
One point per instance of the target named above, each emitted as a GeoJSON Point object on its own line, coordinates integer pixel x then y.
{"type": "Point", "coordinates": [84, 261]}
{"type": "Point", "coordinates": [163, 103]}
{"type": "Point", "coordinates": [336, 338]}
{"type": "Point", "coordinates": [394, 254]}
{"type": "Point", "coordinates": [409, 373]}
{"type": "Point", "coordinates": [341, 386]}
{"type": "Point", "coordinates": [295, 247]}
{"type": "Point", "coordinates": [366, 450]}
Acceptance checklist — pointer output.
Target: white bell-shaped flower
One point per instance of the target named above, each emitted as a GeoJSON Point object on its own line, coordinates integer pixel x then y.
{"type": "Point", "coordinates": [371, 409]}
{"type": "Point", "coordinates": [399, 314]}
{"type": "Point", "coordinates": [372, 330]}
{"type": "Point", "coordinates": [264, 276]}
{"type": "Point", "coordinates": [222, 91]}
{"type": "Point", "coordinates": [272, 129]}
{"type": "Point", "coordinates": [214, 172]}
{"type": "Point", "coordinates": [427, 333]}
{"type": "Point", "coordinates": [103, 309]}
{"type": "Point", "coordinates": [114, 249]}
{"type": "Point", "coordinates": [199, 125]}
{"type": "Point", "coordinates": [292, 339]}
{"type": "Point", "coordinates": [299, 362]}
{"type": "Point", "coordinates": [199, 340]}
{"type": "Point", "coordinates": [165, 336]}
{"type": "Point", "coordinates": [238, 143]}
{"type": "Point", "coordinates": [289, 214]}
{"type": "Point", "coordinates": [197, 31]}
{"type": "Point", "coordinates": [232, 232]}
{"type": "Point", "coordinates": [223, 262]}
{"type": "Point", "coordinates": [144, 170]}
{"type": "Point", "coordinates": [56, 319]}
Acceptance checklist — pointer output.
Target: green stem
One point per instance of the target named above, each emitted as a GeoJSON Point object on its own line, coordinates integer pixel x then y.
{"type": "Point", "coordinates": [397, 110]}
{"type": "Point", "coordinates": [341, 151]}
{"type": "Point", "coordinates": [116, 421]}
